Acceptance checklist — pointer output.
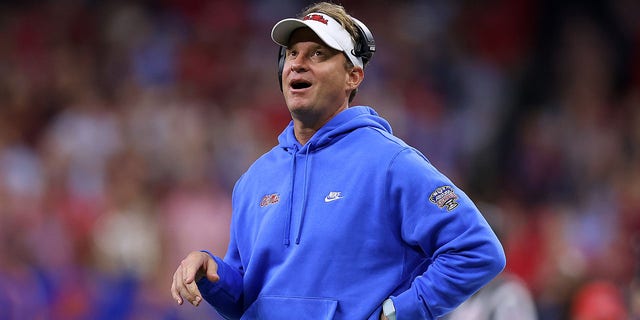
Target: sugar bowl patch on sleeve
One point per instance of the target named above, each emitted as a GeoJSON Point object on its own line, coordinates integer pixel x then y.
{"type": "Point", "coordinates": [444, 197]}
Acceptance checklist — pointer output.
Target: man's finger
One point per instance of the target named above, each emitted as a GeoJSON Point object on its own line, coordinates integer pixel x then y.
{"type": "Point", "coordinates": [174, 290]}
{"type": "Point", "coordinates": [186, 291]}
{"type": "Point", "coordinates": [212, 271]}
{"type": "Point", "coordinates": [193, 293]}
{"type": "Point", "coordinates": [188, 271]}
{"type": "Point", "coordinates": [184, 286]}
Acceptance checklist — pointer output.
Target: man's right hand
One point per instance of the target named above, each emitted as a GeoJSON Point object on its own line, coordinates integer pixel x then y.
{"type": "Point", "coordinates": [193, 268]}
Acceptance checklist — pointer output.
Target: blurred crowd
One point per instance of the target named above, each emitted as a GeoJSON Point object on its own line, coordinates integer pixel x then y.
{"type": "Point", "coordinates": [124, 125]}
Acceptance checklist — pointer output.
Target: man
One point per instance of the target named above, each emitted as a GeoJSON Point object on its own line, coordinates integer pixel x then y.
{"type": "Point", "coordinates": [341, 220]}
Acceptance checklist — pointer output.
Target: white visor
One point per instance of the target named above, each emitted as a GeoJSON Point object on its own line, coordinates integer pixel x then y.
{"type": "Point", "coordinates": [327, 28]}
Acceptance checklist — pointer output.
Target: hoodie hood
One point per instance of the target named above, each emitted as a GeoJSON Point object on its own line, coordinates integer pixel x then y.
{"type": "Point", "coordinates": [346, 121]}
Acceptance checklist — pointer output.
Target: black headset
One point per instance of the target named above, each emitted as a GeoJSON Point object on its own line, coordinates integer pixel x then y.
{"type": "Point", "coordinates": [364, 48]}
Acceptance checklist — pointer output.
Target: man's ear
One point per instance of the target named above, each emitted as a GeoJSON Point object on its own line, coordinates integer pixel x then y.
{"type": "Point", "coordinates": [355, 77]}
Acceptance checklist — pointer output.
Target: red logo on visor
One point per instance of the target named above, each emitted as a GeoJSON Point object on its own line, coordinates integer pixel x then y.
{"type": "Point", "coordinates": [316, 17]}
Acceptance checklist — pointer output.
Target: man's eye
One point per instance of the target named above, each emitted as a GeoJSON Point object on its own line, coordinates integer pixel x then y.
{"type": "Point", "coordinates": [318, 53]}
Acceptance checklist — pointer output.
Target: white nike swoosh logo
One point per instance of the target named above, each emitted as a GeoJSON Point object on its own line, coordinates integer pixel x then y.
{"type": "Point", "coordinates": [329, 199]}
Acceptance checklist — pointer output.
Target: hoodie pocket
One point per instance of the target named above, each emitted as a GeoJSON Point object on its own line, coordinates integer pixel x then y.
{"type": "Point", "coordinates": [274, 308]}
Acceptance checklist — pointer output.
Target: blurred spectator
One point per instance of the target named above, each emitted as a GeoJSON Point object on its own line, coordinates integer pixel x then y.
{"type": "Point", "coordinates": [505, 298]}
{"type": "Point", "coordinates": [598, 300]}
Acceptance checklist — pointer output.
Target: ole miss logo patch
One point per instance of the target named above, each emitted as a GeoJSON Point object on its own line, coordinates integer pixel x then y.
{"type": "Point", "coordinates": [316, 17]}
{"type": "Point", "coordinates": [269, 200]}
{"type": "Point", "coordinates": [444, 197]}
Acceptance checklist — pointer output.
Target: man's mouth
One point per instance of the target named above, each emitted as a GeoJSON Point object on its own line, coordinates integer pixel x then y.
{"type": "Point", "coordinates": [300, 84]}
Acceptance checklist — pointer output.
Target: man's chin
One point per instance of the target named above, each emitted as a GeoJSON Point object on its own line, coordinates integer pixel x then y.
{"type": "Point", "coordinates": [298, 104]}
{"type": "Point", "coordinates": [300, 110]}
{"type": "Point", "coordinates": [303, 112]}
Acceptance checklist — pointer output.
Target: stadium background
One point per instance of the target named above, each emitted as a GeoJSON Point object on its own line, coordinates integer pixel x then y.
{"type": "Point", "coordinates": [124, 124]}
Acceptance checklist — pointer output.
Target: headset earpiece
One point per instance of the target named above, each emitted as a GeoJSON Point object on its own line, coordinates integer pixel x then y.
{"type": "Point", "coordinates": [282, 53]}
{"type": "Point", "coordinates": [366, 46]}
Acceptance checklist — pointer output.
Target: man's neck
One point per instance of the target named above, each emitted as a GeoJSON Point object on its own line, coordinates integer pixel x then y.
{"type": "Point", "coordinates": [303, 135]}
{"type": "Point", "coordinates": [304, 130]}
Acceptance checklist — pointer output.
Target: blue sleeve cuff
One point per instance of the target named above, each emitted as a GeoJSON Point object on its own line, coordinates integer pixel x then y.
{"type": "Point", "coordinates": [206, 287]}
{"type": "Point", "coordinates": [406, 306]}
{"type": "Point", "coordinates": [227, 290]}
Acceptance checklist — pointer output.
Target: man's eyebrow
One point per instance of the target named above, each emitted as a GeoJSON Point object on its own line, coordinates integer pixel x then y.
{"type": "Point", "coordinates": [314, 47]}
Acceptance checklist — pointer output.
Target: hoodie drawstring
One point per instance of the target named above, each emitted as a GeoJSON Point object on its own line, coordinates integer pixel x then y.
{"type": "Point", "coordinates": [287, 225]}
{"type": "Point", "coordinates": [304, 194]}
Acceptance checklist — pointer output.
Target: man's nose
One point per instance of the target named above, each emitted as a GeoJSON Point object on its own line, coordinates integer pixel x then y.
{"type": "Point", "coordinates": [298, 63]}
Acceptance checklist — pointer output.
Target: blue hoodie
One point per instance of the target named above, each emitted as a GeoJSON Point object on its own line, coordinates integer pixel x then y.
{"type": "Point", "coordinates": [331, 229]}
